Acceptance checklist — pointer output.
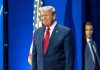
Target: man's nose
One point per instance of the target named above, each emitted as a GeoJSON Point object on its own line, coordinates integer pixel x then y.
{"type": "Point", "coordinates": [44, 18]}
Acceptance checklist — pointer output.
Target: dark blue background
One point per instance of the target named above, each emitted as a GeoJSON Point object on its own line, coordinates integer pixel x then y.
{"type": "Point", "coordinates": [95, 18]}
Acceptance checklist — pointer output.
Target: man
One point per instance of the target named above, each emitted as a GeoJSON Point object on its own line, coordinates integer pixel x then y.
{"type": "Point", "coordinates": [91, 59]}
{"type": "Point", "coordinates": [53, 44]}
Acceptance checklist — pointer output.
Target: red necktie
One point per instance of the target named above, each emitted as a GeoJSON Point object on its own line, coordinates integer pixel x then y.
{"type": "Point", "coordinates": [46, 40]}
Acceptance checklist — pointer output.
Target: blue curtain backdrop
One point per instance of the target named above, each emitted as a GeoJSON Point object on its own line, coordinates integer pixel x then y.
{"type": "Point", "coordinates": [20, 19]}
{"type": "Point", "coordinates": [95, 18]}
{"type": "Point", "coordinates": [1, 35]}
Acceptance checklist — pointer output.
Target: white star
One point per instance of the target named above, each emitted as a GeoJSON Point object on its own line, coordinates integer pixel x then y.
{"type": "Point", "coordinates": [33, 24]}
{"type": "Point", "coordinates": [33, 17]}
{"type": "Point", "coordinates": [41, 3]}
{"type": "Point", "coordinates": [34, 12]}
{"type": "Point", "coordinates": [35, 5]}
{"type": "Point", "coordinates": [36, 0]}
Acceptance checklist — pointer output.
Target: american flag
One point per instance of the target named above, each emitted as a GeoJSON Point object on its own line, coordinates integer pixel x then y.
{"type": "Point", "coordinates": [36, 24]}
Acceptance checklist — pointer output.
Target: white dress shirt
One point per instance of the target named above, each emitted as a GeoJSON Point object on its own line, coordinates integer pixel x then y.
{"type": "Point", "coordinates": [51, 28]}
{"type": "Point", "coordinates": [88, 41]}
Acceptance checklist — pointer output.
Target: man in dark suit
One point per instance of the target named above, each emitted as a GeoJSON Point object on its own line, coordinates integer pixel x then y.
{"type": "Point", "coordinates": [91, 59]}
{"type": "Point", "coordinates": [53, 44]}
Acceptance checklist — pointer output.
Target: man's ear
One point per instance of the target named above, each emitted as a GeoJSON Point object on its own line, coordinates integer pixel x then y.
{"type": "Point", "coordinates": [54, 17]}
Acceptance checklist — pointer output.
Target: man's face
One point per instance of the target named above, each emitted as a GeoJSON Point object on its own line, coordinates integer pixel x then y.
{"type": "Point", "coordinates": [47, 17]}
{"type": "Point", "coordinates": [88, 31]}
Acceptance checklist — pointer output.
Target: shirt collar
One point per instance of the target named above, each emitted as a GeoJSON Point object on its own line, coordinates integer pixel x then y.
{"type": "Point", "coordinates": [88, 40]}
{"type": "Point", "coordinates": [53, 26]}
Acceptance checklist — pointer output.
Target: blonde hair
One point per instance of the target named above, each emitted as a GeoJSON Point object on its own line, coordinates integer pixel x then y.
{"type": "Point", "coordinates": [48, 8]}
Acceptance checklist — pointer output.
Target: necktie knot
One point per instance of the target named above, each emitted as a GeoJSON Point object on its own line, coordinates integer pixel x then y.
{"type": "Point", "coordinates": [48, 29]}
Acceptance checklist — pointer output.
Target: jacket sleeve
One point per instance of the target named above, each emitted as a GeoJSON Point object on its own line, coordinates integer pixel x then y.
{"type": "Point", "coordinates": [34, 55]}
{"type": "Point", "coordinates": [69, 50]}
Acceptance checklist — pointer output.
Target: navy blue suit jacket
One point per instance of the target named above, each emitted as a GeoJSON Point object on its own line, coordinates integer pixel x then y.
{"type": "Point", "coordinates": [88, 63]}
{"type": "Point", "coordinates": [60, 52]}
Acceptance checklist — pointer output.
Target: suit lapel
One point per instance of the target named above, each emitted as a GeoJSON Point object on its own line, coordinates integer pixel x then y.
{"type": "Point", "coordinates": [52, 38]}
{"type": "Point", "coordinates": [96, 54]}
{"type": "Point", "coordinates": [41, 37]}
